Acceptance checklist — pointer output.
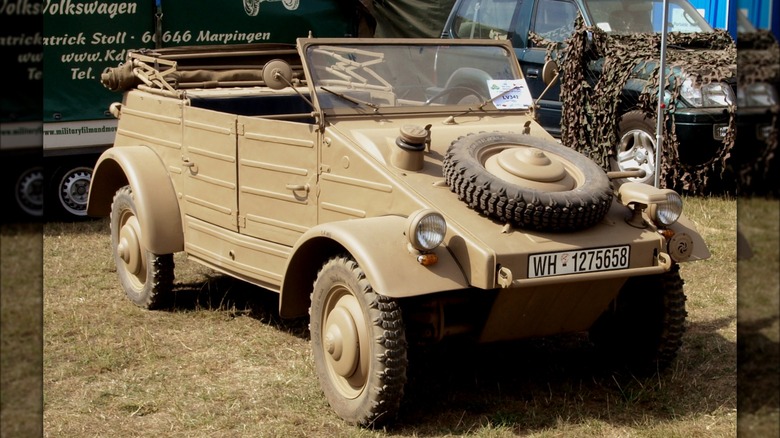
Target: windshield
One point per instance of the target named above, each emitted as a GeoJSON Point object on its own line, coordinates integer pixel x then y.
{"type": "Point", "coordinates": [368, 77]}
{"type": "Point", "coordinates": [645, 16]}
{"type": "Point", "coordinates": [743, 23]}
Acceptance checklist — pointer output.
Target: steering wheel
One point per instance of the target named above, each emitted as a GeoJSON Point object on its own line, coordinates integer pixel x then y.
{"type": "Point", "coordinates": [458, 95]}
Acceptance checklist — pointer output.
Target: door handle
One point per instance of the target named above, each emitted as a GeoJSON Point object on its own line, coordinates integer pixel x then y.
{"type": "Point", "coordinates": [191, 165]}
{"type": "Point", "coordinates": [532, 73]}
{"type": "Point", "coordinates": [297, 187]}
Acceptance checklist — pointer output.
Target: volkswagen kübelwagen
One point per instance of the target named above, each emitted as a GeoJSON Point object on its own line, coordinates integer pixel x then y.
{"type": "Point", "coordinates": [398, 192]}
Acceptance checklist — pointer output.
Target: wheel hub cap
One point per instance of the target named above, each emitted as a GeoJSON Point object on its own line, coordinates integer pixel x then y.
{"type": "Point", "coordinates": [530, 167]}
{"type": "Point", "coordinates": [129, 246]}
{"type": "Point", "coordinates": [640, 156]}
{"type": "Point", "coordinates": [637, 152]}
{"type": "Point", "coordinates": [341, 342]}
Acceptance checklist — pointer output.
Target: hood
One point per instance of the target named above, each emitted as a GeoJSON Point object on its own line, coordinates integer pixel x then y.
{"type": "Point", "coordinates": [711, 56]}
{"type": "Point", "coordinates": [758, 57]}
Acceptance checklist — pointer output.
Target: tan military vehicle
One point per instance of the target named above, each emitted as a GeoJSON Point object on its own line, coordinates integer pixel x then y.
{"type": "Point", "coordinates": [398, 191]}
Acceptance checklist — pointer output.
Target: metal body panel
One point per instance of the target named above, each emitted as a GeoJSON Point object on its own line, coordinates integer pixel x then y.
{"type": "Point", "coordinates": [277, 174]}
{"type": "Point", "coordinates": [208, 157]}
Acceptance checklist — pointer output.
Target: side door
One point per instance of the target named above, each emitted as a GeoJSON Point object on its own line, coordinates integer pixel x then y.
{"type": "Point", "coordinates": [553, 20]}
{"type": "Point", "coordinates": [277, 169]}
{"type": "Point", "coordinates": [209, 167]}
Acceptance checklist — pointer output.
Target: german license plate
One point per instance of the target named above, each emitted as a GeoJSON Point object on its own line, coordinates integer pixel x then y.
{"type": "Point", "coordinates": [579, 261]}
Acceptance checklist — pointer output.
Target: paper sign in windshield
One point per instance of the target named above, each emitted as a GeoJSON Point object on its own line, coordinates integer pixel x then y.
{"type": "Point", "coordinates": [510, 94]}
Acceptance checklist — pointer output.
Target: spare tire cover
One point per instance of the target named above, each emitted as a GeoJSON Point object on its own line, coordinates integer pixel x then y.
{"type": "Point", "coordinates": [530, 182]}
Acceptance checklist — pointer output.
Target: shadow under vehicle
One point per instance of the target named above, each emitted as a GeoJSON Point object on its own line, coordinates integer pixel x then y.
{"type": "Point", "coordinates": [399, 192]}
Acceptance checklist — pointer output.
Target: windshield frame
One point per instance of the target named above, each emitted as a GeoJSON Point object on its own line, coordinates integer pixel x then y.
{"type": "Point", "coordinates": [648, 6]}
{"type": "Point", "coordinates": [356, 104]}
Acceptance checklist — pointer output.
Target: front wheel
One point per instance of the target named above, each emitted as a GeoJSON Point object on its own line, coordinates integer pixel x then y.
{"type": "Point", "coordinates": [636, 149]}
{"type": "Point", "coordinates": [644, 325]}
{"type": "Point", "coordinates": [359, 345]}
{"type": "Point", "coordinates": [146, 278]}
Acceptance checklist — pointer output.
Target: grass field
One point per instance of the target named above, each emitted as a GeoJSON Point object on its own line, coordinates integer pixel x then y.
{"type": "Point", "coordinates": [758, 322]}
{"type": "Point", "coordinates": [21, 316]}
{"type": "Point", "coordinates": [223, 364]}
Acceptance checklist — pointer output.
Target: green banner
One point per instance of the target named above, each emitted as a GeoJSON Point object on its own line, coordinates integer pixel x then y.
{"type": "Point", "coordinates": [254, 21]}
{"type": "Point", "coordinates": [21, 46]}
{"type": "Point", "coordinates": [83, 37]}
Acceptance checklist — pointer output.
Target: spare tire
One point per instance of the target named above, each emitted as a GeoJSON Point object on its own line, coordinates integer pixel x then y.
{"type": "Point", "coordinates": [530, 182]}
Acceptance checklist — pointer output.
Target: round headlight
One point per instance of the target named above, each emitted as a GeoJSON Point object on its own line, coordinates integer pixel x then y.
{"type": "Point", "coordinates": [668, 212]}
{"type": "Point", "coordinates": [426, 230]}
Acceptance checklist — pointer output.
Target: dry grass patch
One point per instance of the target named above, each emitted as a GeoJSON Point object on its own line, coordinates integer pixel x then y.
{"type": "Point", "coordinates": [759, 319]}
{"type": "Point", "coordinates": [20, 330]}
{"type": "Point", "coordinates": [222, 363]}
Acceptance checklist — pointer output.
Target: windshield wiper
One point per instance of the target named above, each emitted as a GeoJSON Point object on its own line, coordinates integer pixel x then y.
{"type": "Point", "coordinates": [351, 99]}
{"type": "Point", "coordinates": [451, 119]}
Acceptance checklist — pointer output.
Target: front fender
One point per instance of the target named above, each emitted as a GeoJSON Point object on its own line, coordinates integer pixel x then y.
{"type": "Point", "coordinates": [155, 198]}
{"type": "Point", "coordinates": [700, 249]}
{"type": "Point", "coordinates": [380, 248]}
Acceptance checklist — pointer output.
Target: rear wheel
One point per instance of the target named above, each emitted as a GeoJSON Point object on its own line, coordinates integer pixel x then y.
{"type": "Point", "coordinates": [643, 327]}
{"type": "Point", "coordinates": [70, 191]}
{"type": "Point", "coordinates": [359, 345]}
{"type": "Point", "coordinates": [28, 191]}
{"type": "Point", "coordinates": [146, 278]}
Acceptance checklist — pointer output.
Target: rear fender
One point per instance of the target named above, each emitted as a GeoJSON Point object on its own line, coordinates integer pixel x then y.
{"type": "Point", "coordinates": [155, 198]}
{"type": "Point", "coordinates": [380, 248]}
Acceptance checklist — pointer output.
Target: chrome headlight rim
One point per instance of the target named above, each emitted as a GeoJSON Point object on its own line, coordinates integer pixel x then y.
{"type": "Point", "coordinates": [706, 95]}
{"type": "Point", "coordinates": [669, 211]}
{"type": "Point", "coordinates": [426, 229]}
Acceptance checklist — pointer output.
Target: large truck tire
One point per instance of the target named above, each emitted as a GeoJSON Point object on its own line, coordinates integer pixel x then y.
{"type": "Point", "coordinates": [67, 188]}
{"type": "Point", "coordinates": [28, 192]}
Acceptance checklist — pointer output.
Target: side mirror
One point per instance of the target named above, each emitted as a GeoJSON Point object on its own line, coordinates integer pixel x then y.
{"type": "Point", "coordinates": [277, 74]}
{"type": "Point", "coordinates": [549, 76]}
{"type": "Point", "coordinates": [549, 72]}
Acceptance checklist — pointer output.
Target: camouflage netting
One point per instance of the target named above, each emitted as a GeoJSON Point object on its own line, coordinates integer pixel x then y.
{"type": "Point", "coordinates": [591, 110]}
{"type": "Point", "coordinates": [758, 60]}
